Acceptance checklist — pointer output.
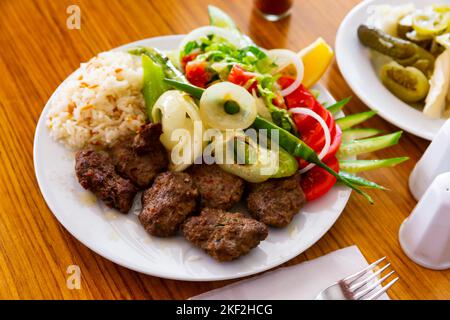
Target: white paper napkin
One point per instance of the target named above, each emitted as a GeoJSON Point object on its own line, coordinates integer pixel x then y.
{"type": "Point", "coordinates": [300, 282]}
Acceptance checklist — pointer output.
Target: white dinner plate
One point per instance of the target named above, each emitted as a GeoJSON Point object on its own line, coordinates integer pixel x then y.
{"type": "Point", "coordinates": [121, 239]}
{"type": "Point", "coordinates": [356, 67]}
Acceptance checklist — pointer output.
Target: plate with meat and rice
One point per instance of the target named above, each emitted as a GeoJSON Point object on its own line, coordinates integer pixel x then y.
{"type": "Point", "coordinates": [105, 155]}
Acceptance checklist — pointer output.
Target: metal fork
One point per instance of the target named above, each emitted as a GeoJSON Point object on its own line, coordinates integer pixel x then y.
{"type": "Point", "coordinates": [359, 286]}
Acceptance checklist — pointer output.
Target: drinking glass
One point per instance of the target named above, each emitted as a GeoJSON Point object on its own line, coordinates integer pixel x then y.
{"type": "Point", "coordinates": [274, 10]}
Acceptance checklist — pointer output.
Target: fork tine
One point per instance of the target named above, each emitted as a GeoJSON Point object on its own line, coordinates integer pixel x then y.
{"type": "Point", "coordinates": [364, 292]}
{"type": "Point", "coordinates": [360, 284]}
{"type": "Point", "coordinates": [382, 290]}
{"type": "Point", "coordinates": [362, 272]}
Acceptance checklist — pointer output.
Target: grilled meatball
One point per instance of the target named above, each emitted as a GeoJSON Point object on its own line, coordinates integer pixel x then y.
{"type": "Point", "coordinates": [276, 201]}
{"type": "Point", "coordinates": [142, 157]}
{"type": "Point", "coordinates": [224, 235]}
{"type": "Point", "coordinates": [147, 137]}
{"type": "Point", "coordinates": [167, 203]}
{"type": "Point", "coordinates": [95, 172]}
{"type": "Point", "coordinates": [217, 188]}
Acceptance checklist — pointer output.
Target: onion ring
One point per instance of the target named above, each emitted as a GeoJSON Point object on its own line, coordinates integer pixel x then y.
{"type": "Point", "coordinates": [212, 109]}
{"type": "Point", "coordinates": [198, 33]}
{"type": "Point", "coordinates": [326, 132]}
{"type": "Point", "coordinates": [178, 114]}
{"type": "Point", "coordinates": [287, 58]}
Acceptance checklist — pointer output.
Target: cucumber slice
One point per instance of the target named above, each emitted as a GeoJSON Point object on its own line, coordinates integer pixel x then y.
{"type": "Point", "coordinates": [360, 182]}
{"type": "Point", "coordinates": [354, 119]}
{"type": "Point", "coordinates": [357, 147]}
{"type": "Point", "coordinates": [218, 18]}
{"type": "Point", "coordinates": [359, 133]}
{"type": "Point", "coordinates": [335, 108]}
{"type": "Point", "coordinates": [366, 165]}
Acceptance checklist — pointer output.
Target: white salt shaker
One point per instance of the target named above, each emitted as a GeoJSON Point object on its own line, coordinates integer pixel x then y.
{"type": "Point", "coordinates": [434, 161]}
{"type": "Point", "coordinates": [425, 235]}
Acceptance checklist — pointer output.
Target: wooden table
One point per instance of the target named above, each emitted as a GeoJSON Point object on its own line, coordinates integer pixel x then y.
{"type": "Point", "coordinates": [38, 51]}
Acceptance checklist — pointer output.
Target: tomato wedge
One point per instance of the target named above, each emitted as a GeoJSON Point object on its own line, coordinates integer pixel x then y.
{"type": "Point", "coordinates": [188, 58]}
{"type": "Point", "coordinates": [301, 97]}
{"type": "Point", "coordinates": [241, 77]}
{"type": "Point", "coordinates": [335, 143]}
{"type": "Point", "coordinates": [197, 74]}
{"type": "Point", "coordinates": [317, 182]}
{"type": "Point", "coordinates": [310, 130]}
{"type": "Point", "coordinates": [315, 137]}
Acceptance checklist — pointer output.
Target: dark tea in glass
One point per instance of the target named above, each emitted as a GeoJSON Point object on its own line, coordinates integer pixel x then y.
{"type": "Point", "coordinates": [274, 10]}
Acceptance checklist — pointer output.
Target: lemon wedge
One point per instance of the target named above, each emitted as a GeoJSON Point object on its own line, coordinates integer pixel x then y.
{"type": "Point", "coordinates": [316, 58]}
{"type": "Point", "coordinates": [218, 18]}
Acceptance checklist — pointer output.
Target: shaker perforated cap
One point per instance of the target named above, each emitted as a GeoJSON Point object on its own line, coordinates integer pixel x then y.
{"type": "Point", "coordinates": [435, 160]}
{"type": "Point", "coordinates": [425, 235]}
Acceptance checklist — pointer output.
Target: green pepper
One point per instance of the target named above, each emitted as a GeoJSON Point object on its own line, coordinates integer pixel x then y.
{"type": "Point", "coordinates": [154, 85]}
{"type": "Point", "coordinates": [194, 91]}
{"type": "Point", "coordinates": [288, 165]}
{"type": "Point", "coordinates": [298, 148]}
{"type": "Point", "coordinates": [162, 60]}
{"type": "Point", "coordinates": [358, 181]}
{"type": "Point", "coordinates": [287, 141]}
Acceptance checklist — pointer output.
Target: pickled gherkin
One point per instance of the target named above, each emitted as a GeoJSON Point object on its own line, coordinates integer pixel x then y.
{"type": "Point", "coordinates": [403, 51]}
{"type": "Point", "coordinates": [405, 25]}
{"type": "Point", "coordinates": [407, 83]}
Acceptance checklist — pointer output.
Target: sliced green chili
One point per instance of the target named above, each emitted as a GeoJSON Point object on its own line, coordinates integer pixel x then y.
{"type": "Point", "coordinates": [287, 141]}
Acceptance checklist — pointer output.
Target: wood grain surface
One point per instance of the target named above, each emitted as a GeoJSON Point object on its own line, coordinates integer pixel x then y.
{"type": "Point", "coordinates": [38, 51]}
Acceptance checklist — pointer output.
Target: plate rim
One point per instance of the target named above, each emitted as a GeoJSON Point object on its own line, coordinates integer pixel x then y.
{"type": "Point", "coordinates": [127, 264]}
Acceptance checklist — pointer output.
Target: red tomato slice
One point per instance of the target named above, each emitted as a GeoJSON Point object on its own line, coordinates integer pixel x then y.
{"type": "Point", "coordinates": [285, 81]}
{"type": "Point", "coordinates": [301, 97]}
{"type": "Point", "coordinates": [317, 182]}
{"type": "Point", "coordinates": [188, 58]}
{"type": "Point", "coordinates": [311, 131]}
{"type": "Point", "coordinates": [316, 138]}
{"type": "Point", "coordinates": [196, 73]}
{"type": "Point", "coordinates": [240, 76]}
{"type": "Point", "coordinates": [335, 144]}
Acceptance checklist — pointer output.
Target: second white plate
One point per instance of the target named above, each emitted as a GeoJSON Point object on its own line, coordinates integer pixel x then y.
{"type": "Point", "coordinates": [355, 65]}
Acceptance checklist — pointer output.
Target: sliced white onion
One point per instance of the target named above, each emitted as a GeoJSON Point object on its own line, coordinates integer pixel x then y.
{"type": "Point", "coordinates": [212, 109]}
{"type": "Point", "coordinates": [325, 129]}
{"type": "Point", "coordinates": [179, 116]}
{"type": "Point", "coordinates": [284, 58]}
{"type": "Point", "coordinates": [198, 33]}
